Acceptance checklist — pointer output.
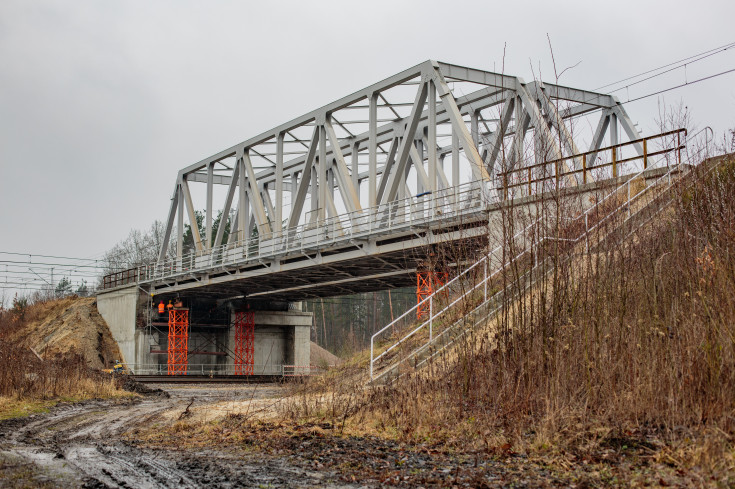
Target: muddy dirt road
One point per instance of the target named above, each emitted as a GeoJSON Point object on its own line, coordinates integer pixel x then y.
{"type": "Point", "coordinates": [80, 446]}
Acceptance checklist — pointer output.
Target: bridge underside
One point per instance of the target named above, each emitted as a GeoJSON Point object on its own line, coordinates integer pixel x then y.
{"type": "Point", "coordinates": [303, 279]}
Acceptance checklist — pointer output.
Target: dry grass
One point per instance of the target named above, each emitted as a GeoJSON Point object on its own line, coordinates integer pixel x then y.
{"type": "Point", "coordinates": [29, 383]}
{"type": "Point", "coordinates": [630, 346]}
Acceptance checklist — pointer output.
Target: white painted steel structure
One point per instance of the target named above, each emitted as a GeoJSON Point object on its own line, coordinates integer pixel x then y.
{"type": "Point", "coordinates": [330, 202]}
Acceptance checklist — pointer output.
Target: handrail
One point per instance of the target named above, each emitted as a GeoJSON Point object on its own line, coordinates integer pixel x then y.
{"type": "Point", "coordinates": [600, 150]}
{"type": "Point", "coordinates": [447, 284]}
{"type": "Point", "coordinates": [586, 168]}
{"type": "Point", "coordinates": [445, 204]}
{"type": "Point", "coordinates": [667, 175]}
{"type": "Point", "coordinates": [529, 249]}
{"type": "Point", "coordinates": [706, 130]}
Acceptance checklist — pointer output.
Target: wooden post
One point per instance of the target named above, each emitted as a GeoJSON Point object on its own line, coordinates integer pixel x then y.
{"type": "Point", "coordinates": [584, 168]}
{"type": "Point", "coordinates": [645, 154]}
{"type": "Point", "coordinates": [614, 163]}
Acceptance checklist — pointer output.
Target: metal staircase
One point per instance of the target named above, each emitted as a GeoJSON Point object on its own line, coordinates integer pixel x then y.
{"type": "Point", "coordinates": [475, 296]}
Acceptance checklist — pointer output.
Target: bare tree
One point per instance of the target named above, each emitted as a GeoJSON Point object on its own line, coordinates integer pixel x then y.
{"type": "Point", "coordinates": [140, 247]}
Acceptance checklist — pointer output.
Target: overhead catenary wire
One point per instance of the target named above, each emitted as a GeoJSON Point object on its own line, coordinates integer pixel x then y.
{"type": "Point", "coordinates": [681, 62]}
{"type": "Point", "coordinates": [48, 256]}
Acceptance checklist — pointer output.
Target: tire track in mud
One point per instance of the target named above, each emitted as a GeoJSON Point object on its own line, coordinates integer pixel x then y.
{"type": "Point", "coordinates": [80, 446]}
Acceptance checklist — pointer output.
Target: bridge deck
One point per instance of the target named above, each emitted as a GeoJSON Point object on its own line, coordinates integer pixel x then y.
{"type": "Point", "coordinates": [361, 258]}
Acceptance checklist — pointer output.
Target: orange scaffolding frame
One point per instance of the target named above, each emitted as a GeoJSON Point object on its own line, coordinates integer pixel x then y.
{"type": "Point", "coordinates": [244, 343]}
{"type": "Point", "coordinates": [178, 341]}
{"type": "Point", "coordinates": [427, 281]}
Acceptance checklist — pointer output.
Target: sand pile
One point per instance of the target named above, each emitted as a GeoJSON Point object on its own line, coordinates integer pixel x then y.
{"type": "Point", "coordinates": [69, 326]}
{"type": "Point", "coordinates": [321, 357]}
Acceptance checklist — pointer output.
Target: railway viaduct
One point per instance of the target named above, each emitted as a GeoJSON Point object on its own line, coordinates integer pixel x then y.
{"type": "Point", "coordinates": [354, 196]}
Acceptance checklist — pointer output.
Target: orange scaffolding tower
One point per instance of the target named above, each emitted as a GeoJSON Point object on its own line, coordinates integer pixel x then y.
{"type": "Point", "coordinates": [244, 342]}
{"type": "Point", "coordinates": [426, 283]}
{"type": "Point", "coordinates": [178, 341]}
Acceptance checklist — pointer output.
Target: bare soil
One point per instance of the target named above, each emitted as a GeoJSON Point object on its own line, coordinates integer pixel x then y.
{"type": "Point", "coordinates": [170, 439]}
{"type": "Point", "coordinates": [81, 445]}
{"type": "Point", "coordinates": [69, 326]}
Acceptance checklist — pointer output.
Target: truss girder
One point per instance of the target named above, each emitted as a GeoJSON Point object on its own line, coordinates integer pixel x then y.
{"type": "Point", "coordinates": [307, 158]}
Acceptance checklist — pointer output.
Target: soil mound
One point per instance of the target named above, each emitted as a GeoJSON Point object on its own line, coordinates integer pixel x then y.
{"type": "Point", "coordinates": [321, 357]}
{"type": "Point", "coordinates": [132, 385]}
{"type": "Point", "coordinates": [69, 326]}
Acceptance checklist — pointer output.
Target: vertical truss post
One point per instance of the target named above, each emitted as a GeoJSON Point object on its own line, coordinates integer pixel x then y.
{"type": "Point", "coordinates": [180, 228]}
{"type": "Point", "coordinates": [431, 146]}
{"type": "Point", "coordinates": [321, 181]}
{"type": "Point", "coordinates": [210, 192]}
{"type": "Point", "coordinates": [455, 167]}
{"type": "Point", "coordinates": [355, 174]}
{"type": "Point", "coordinates": [278, 207]}
{"type": "Point", "coordinates": [244, 343]}
{"type": "Point", "coordinates": [178, 341]}
{"type": "Point", "coordinates": [373, 149]}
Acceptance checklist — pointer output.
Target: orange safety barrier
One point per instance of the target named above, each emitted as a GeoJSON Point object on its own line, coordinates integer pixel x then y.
{"type": "Point", "coordinates": [178, 341]}
{"type": "Point", "coordinates": [244, 343]}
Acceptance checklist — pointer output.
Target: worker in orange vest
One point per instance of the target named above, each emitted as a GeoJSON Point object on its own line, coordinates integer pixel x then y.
{"type": "Point", "coordinates": [161, 308]}
{"type": "Point", "coordinates": [170, 306]}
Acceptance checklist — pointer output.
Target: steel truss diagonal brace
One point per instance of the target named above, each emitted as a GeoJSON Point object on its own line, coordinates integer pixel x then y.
{"type": "Point", "coordinates": [256, 202]}
{"type": "Point", "coordinates": [192, 216]}
{"type": "Point", "coordinates": [494, 146]}
{"type": "Point", "coordinates": [556, 121]}
{"type": "Point", "coordinates": [169, 224]}
{"type": "Point", "coordinates": [228, 202]}
{"type": "Point", "coordinates": [298, 202]}
{"type": "Point", "coordinates": [479, 171]}
{"type": "Point", "coordinates": [346, 187]}
{"type": "Point", "coordinates": [397, 176]}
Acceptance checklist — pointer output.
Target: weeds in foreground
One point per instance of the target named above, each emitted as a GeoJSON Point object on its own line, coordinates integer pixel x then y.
{"type": "Point", "coordinates": [30, 383]}
{"type": "Point", "coordinates": [632, 343]}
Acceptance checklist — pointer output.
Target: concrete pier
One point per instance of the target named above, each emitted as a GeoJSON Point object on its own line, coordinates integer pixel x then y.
{"type": "Point", "coordinates": [281, 337]}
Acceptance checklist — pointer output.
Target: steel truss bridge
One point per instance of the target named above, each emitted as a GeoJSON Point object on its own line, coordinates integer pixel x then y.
{"type": "Point", "coordinates": [349, 197]}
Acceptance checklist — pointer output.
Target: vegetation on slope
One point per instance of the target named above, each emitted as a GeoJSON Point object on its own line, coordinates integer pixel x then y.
{"type": "Point", "coordinates": [32, 381]}
{"type": "Point", "coordinates": [629, 349]}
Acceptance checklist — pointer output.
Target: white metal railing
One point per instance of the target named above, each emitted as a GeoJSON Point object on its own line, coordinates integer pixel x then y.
{"type": "Point", "coordinates": [208, 369]}
{"type": "Point", "coordinates": [445, 205]}
{"type": "Point", "coordinates": [624, 206]}
{"type": "Point", "coordinates": [535, 242]}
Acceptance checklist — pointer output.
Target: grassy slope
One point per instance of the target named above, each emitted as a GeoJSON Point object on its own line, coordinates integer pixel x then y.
{"type": "Point", "coordinates": [64, 373]}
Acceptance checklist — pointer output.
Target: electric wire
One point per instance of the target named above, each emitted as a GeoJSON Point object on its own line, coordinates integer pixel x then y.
{"type": "Point", "coordinates": [704, 55]}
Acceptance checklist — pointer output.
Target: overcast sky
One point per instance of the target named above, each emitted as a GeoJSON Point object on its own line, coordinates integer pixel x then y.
{"type": "Point", "coordinates": [102, 102]}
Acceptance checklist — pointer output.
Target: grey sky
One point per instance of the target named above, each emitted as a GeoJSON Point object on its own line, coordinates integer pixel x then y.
{"type": "Point", "coordinates": [101, 103]}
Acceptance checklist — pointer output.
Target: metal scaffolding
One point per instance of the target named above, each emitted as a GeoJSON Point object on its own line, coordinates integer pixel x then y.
{"type": "Point", "coordinates": [427, 281]}
{"type": "Point", "coordinates": [244, 357]}
{"type": "Point", "coordinates": [178, 341]}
